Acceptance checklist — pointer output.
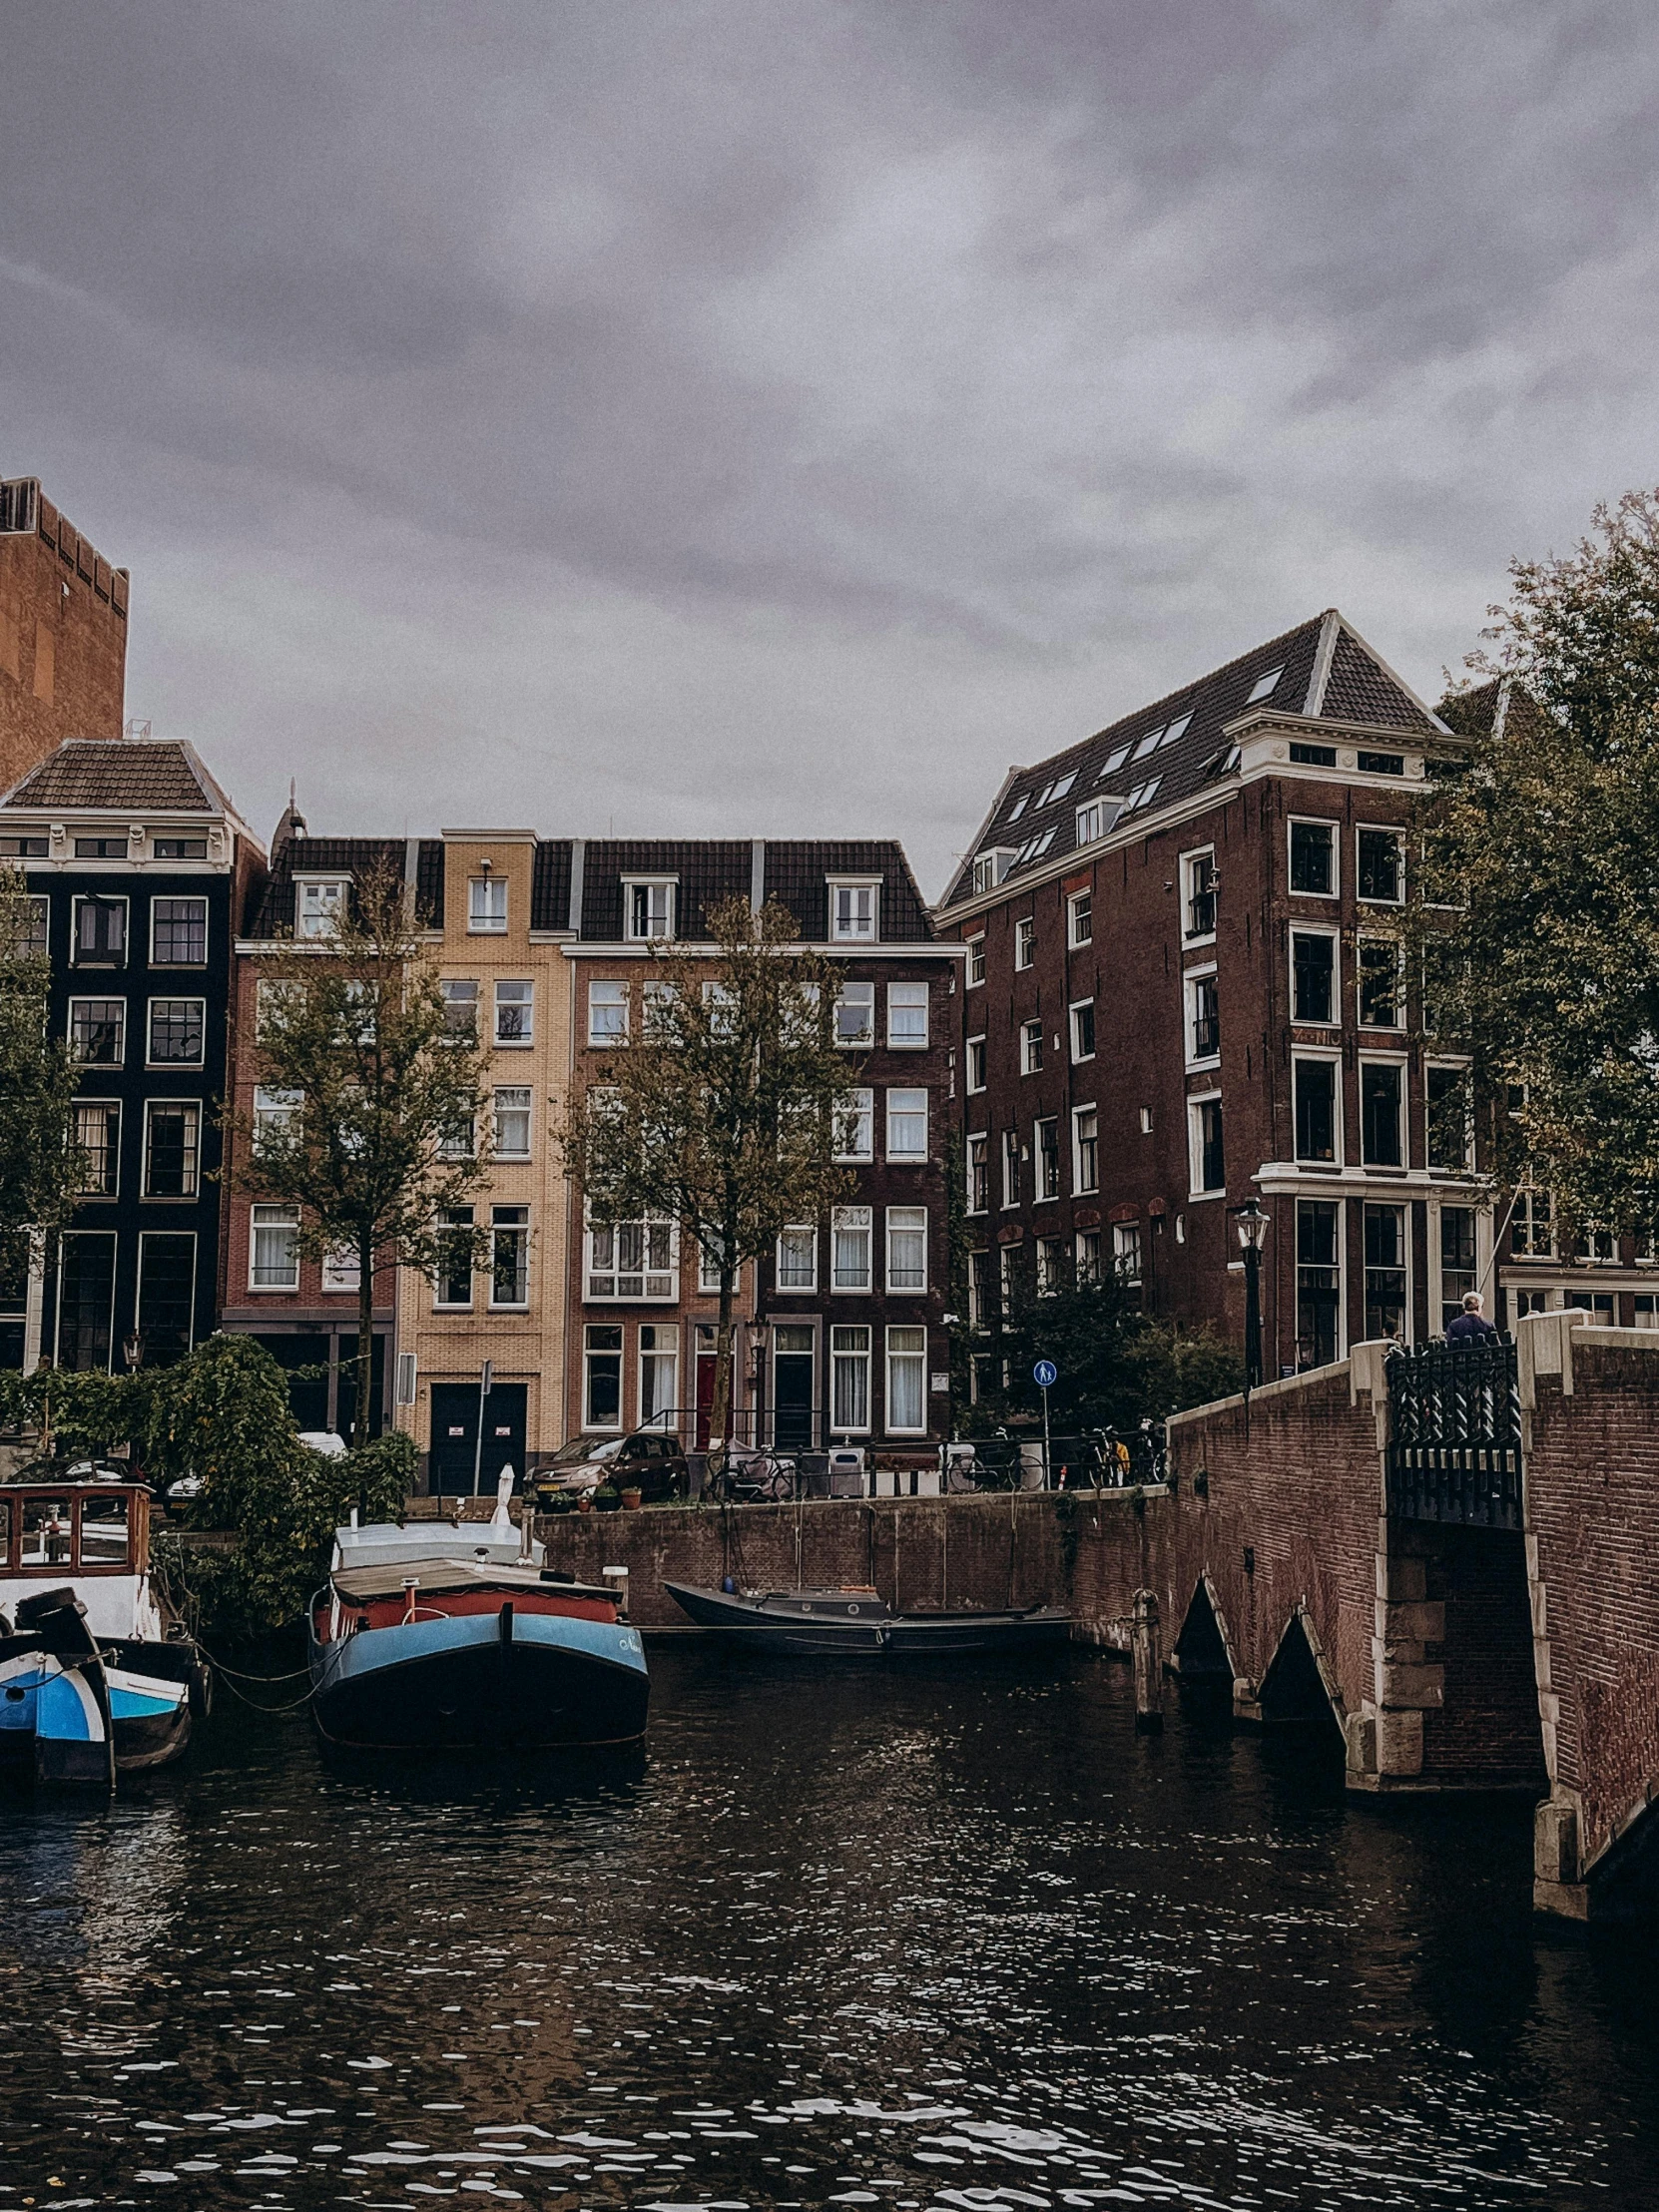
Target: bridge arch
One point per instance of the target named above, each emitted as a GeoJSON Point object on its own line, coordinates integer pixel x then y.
{"type": "Point", "coordinates": [1299, 1684]}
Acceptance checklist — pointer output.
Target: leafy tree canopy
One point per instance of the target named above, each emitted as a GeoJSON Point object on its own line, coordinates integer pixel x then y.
{"type": "Point", "coordinates": [40, 1166]}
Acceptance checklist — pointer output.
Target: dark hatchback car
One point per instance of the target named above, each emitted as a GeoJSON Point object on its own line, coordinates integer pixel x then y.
{"type": "Point", "coordinates": [648, 1461]}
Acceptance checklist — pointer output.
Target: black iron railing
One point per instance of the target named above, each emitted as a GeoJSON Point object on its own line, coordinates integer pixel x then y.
{"type": "Point", "coordinates": [1454, 1449]}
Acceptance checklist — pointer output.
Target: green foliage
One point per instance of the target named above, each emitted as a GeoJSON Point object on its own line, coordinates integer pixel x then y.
{"type": "Point", "coordinates": [40, 1166]}
{"type": "Point", "coordinates": [1537, 912]}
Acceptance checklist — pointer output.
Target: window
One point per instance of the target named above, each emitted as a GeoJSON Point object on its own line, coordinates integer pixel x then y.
{"type": "Point", "coordinates": [1031, 1048]}
{"type": "Point", "coordinates": [1087, 1259]}
{"type": "Point", "coordinates": [1315, 1086]}
{"type": "Point", "coordinates": [100, 849]}
{"type": "Point", "coordinates": [460, 1009]}
{"type": "Point", "coordinates": [976, 962]}
{"type": "Point", "coordinates": [515, 1013]}
{"type": "Point", "coordinates": [97, 1140]}
{"type": "Point", "coordinates": [1381, 867]}
{"type": "Point", "coordinates": [510, 1258]}
{"type": "Point", "coordinates": [86, 1299]}
{"type": "Point", "coordinates": [1265, 685]}
{"type": "Point", "coordinates": [907, 1125]}
{"type": "Point", "coordinates": [1313, 977]}
{"type": "Point", "coordinates": [855, 1016]}
{"type": "Point", "coordinates": [1197, 894]}
{"type": "Point", "coordinates": [1080, 919]}
{"type": "Point", "coordinates": [1449, 1119]}
{"type": "Point", "coordinates": [35, 923]}
{"type": "Point", "coordinates": [1094, 820]}
{"type": "Point", "coordinates": [1085, 1149]}
{"type": "Point", "coordinates": [855, 1126]}
{"type": "Point", "coordinates": [24, 848]}
{"type": "Point", "coordinates": [907, 1248]}
{"type": "Point", "coordinates": [975, 1064]}
{"type": "Point", "coordinates": [1303, 755]}
{"type": "Point", "coordinates": [1082, 1030]}
{"type": "Point", "coordinates": [978, 1173]}
{"type": "Point", "coordinates": [660, 1012]}
{"type": "Point", "coordinates": [1049, 1265]}
{"type": "Point", "coordinates": [1113, 762]}
{"type": "Point", "coordinates": [274, 1113]}
{"type": "Point", "coordinates": [1203, 1020]}
{"type": "Point", "coordinates": [633, 1260]}
{"type": "Point", "coordinates": [1597, 1246]}
{"type": "Point", "coordinates": [607, 1013]}
{"type": "Point", "coordinates": [486, 906]}
{"type": "Point", "coordinates": [1460, 1261]}
{"type": "Point", "coordinates": [172, 1132]}
{"type": "Point", "coordinates": [274, 1249]}
{"type": "Point", "coordinates": [798, 1258]}
{"type": "Point", "coordinates": [175, 1032]}
{"type": "Point", "coordinates": [1384, 1234]}
{"type": "Point", "coordinates": [98, 1031]}
{"type": "Point", "coordinates": [990, 868]}
{"type": "Point", "coordinates": [906, 1016]}
{"type": "Point", "coordinates": [1318, 1282]}
{"type": "Point", "coordinates": [179, 849]}
{"type": "Point", "coordinates": [1208, 1163]}
{"type": "Point", "coordinates": [1048, 1157]}
{"type": "Point", "coordinates": [453, 1284]}
{"type": "Point", "coordinates": [166, 1296]}
{"type": "Point", "coordinates": [907, 1381]}
{"type": "Point", "coordinates": [659, 1375]}
{"type": "Point", "coordinates": [980, 1289]}
{"type": "Point", "coordinates": [1381, 763]}
{"type": "Point", "coordinates": [179, 932]}
{"type": "Point", "coordinates": [1126, 1249]}
{"type": "Point", "coordinates": [1142, 795]}
{"type": "Point", "coordinates": [1057, 787]}
{"type": "Point", "coordinates": [1314, 859]}
{"type": "Point", "coordinates": [721, 1004]}
{"type": "Point", "coordinates": [849, 1228]}
{"type": "Point", "coordinates": [342, 1269]}
{"type": "Point", "coordinates": [602, 1376]}
{"type": "Point", "coordinates": [1025, 941]}
{"type": "Point", "coordinates": [1381, 1099]}
{"type": "Point", "coordinates": [1011, 1167]}
{"type": "Point", "coordinates": [1532, 1226]}
{"type": "Point", "coordinates": [100, 935]}
{"type": "Point", "coordinates": [318, 902]}
{"type": "Point", "coordinates": [1382, 985]}
{"type": "Point", "coordinates": [273, 1003]}
{"type": "Point", "coordinates": [512, 1122]}
{"type": "Point", "coordinates": [853, 912]}
{"type": "Point", "coordinates": [849, 1381]}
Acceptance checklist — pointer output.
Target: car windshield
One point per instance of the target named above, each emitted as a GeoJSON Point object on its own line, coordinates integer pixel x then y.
{"type": "Point", "coordinates": [581, 1449]}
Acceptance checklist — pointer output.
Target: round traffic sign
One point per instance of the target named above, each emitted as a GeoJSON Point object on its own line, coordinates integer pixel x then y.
{"type": "Point", "coordinates": [1044, 1373]}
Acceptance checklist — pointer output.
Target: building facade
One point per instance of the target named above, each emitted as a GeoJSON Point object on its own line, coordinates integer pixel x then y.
{"type": "Point", "coordinates": [62, 632]}
{"type": "Point", "coordinates": [137, 864]}
{"type": "Point", "coordinates": [1185, 990]}
{"type": "Point", "coordinates": [844, 1337]}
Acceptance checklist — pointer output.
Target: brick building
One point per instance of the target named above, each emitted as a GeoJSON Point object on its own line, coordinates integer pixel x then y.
{"type": "Point", "coordinates": [852, 1345]}
{"type": "Point", "coordinates": [62, 632]}
{"type": "Point", "coordinates": [1183, 990]}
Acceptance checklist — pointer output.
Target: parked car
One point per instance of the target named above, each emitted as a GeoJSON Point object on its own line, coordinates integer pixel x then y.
{"type": "Point", "coordinates": [648, 1461]}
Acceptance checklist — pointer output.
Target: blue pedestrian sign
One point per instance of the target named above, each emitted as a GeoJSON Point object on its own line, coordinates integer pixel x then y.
{"type": "Point", "coordinates": [1045, 1374]}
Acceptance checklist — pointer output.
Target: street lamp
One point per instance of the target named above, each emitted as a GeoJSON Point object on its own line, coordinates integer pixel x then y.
{"type": "Point", "coordinates": [757, 1332]}
{"type": "Point", "coordinates": [1253, 1226]}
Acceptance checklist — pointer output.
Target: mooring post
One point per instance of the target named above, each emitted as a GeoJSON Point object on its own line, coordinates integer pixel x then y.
{"type": "Point", "coordinates": [1149, 1672]}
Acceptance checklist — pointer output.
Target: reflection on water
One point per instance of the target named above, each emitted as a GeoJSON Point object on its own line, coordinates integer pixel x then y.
{"type": "Point", "coordinates": [921, 1939]}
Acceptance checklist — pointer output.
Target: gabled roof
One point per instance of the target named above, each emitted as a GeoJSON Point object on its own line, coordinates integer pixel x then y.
{"type": "Point", "coordinates": [121, 775]}
{"type": "Point", "coordinates": [1322, 670]}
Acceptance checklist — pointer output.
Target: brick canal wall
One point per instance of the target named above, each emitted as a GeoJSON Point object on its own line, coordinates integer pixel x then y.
{"type": "Point", "coordinates": [1085, 1553]}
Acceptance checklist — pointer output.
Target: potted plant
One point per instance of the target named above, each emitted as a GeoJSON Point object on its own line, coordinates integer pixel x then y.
{"type": "Point", "coordinates": [631, 1497]}
{"type": "Point", "coordinates": [606, 1499]}
{"type": "Point", "coordinates": [562, 1502]}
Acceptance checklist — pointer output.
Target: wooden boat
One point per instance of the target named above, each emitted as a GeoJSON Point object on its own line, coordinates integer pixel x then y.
{"type": "Point", "coordinates": [438, 1637]}
{"type": "Point", "coordinates": [861, 1623]}
{"type": "Point", "coordinates": [93, 1681]}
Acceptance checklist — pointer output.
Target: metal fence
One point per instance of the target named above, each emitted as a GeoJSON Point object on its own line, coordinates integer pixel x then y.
{"type": "Point", "coordinates": [1455, 1450]}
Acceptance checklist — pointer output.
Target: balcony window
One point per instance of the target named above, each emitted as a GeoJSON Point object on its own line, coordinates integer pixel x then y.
{"type": "Point", "coordinates": [907, 1381]}
{"type": "Point", "coordinates": [1203, 1020]}
{"type": "Point", "coordinates": [849, 1381]}
{"type": "Point", "coordinates": [486, 906]}
{"type": "Point", "coordinates": [853, 912]}
{"type": "Point", "coordinates": [274, 1249]}
{"type": "Point", "coordinates": [659, 1375]}
{"type": "Point", "coordinates": [1198, 883]}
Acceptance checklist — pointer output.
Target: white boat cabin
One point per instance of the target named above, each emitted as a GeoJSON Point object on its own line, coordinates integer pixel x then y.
{"type": "Point", "coordinates": [92, 1536]}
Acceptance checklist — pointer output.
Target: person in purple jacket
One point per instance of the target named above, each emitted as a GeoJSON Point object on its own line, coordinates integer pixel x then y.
{"type": "Point", "coordinates": [1471, 1326]}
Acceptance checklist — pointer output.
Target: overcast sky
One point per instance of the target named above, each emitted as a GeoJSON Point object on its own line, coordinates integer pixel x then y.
{"type": "Point", "coordinates": [770, 418]}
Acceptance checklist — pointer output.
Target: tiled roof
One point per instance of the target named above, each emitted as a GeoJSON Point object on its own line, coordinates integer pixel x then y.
{"type": "Point", "coordinates": [272, 911]}
{"type": "Point", "coordinates": [797, 872]}
{"type": "Point", "coordinates": [1178, 746]}
{"type": "Point", "coordinates": [121, 775]}
{"type": "Point", "coordinates": [550, 886]}
{"type": "Point", "coordinates": [429, 882]}
{"type": "Point", "coordinates": [708, 869]}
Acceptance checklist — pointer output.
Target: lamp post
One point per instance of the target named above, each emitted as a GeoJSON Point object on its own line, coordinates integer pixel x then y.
{"type": "Point", "coordinates": [1253, 1226]}
{"type": "Point", "coordinates": [132, 1352]}
{"type": "Point", "coordinates": [756, 1329]}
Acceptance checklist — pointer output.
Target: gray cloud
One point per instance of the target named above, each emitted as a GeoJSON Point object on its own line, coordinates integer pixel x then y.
{"type": "Point", "coordinates": [778, 418]}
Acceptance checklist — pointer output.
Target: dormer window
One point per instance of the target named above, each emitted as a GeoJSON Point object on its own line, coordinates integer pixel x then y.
{"type": "Point", "coordinates": [486, 906]}
{"type": "Point", "coordinates": [319, 902]}
{"type": "Point", "coordinates": [852, 910]}
{"type": "Point", "coordinates": [990, 868]}
{"type": "Point", "coordinates": [648, 910]}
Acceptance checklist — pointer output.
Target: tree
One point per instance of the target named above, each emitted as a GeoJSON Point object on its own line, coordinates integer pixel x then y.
{"type": "Point", "coordinates": [721, 1115]}
{"type": "Point", "coordinates": [1538, 911]}
{"type": "Point", "coordinates": [40, 1164]}
{"type": "Point", "coordinates": [378, 1130]}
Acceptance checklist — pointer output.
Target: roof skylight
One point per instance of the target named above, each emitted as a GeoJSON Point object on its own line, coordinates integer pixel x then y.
{"type": "Point", "coordinates": [1264, 685]}
{"type": "Point", "coordinates": [1142, 795]}
{"type": "Point", "coordinates": [1018, 806]}
{"type": "Point", "coordinates": [1058, 788]}
{"type": "Point", "coordinates": [1114, 761]}
{"type": "Point", "coordinates": [1178, 728]}
{"type": "Point", "coordinates": [1148, 744]}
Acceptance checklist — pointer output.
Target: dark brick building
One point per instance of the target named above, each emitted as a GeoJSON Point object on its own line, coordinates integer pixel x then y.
{"type": "Point", "coordinates": [1183, 990]}
{"type": "Point", "coordinates": [62, 632]}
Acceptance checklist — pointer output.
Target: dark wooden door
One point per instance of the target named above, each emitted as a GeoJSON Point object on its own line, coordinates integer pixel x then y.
{"type": "Point", "coordinates": [455, 1436]}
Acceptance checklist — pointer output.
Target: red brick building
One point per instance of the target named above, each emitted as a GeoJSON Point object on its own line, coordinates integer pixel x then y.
{"type": "Point", "coordinates": [62, 632]}
{"type": "Point", "coordinates": [1183, 990]}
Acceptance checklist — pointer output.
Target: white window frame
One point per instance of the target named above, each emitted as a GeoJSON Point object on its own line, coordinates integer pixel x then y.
{"type": "Point", "coordinates": [848, 1221]}
{"type": "Point", "coordinates": [277, 1217]}
{"type": "Point", "coordinates": [1190, 979]}
{"type": "Point", "coordinates": [102, 1105]}
{"type": "Point", "coordinates": [1031, 1035]}
{"type": "Point", "coordinates": [179, 899]}
{"type": "Point", "coordinates": [342, 1271]}
{"type": "Point", "coordinates": [864, 1040]}
{"type": "Point", "coordinates": [1079, 1188]}
{"type": "Point", "coordinates": [456, 1305]}
{"type": "Point", "coordinates": [896, 1043]}
{"type": "Point", "coordinates": [1189, 865]}
{"type": "Point", "coordinates": [1010, 1161]}
{"type": "Point", "coordinates": [514, 1227]}
{"type": "Point", "coordinates": [1385, 830]}
{"type": "Point", "coordinates": [862, 1118]}
{"type": "Point", "coordinates": [172, 1198]}
{"type": "Point", "coordinates": [916, 1358]}
{"type": "Point", "coordinates": [1039, 1196]}
{"type": "Point", "coordinates": [274, 1109]}
{"type": "Point", "coordinates": [1451, 1066]}
{"type": "Point", "coordinates": [1399, 1061]}
{"type": "Point", "coordinates": [1128, 1252]}
{"type": "Point", "coordinates": [1528, 1192]}
{"type": "Point", "coordinates": [1363, 939]}
{"type": "Point", "coordinates": [855, 928]}
{"type": "Point", "coordinates": [976, 1155]}
{"type": "Point", "coordinates": [528, 1110]}
{"type": "Point", "coordinates": [1094, 821]}
{"type": "Point", "coordinates": [598, 1033]}
{"type": "Point", "coordinates": [804, 1235]}
{"type": "Point", "coordinates": [327, 915]}
{"type": "Point", "coordinates": [976, 1061]}
{"type": "Point", "coordinates": [1483, 1226]}
{"type": "Point", "coordinates": [659, 1283]}
{"type": "Point", "coordinates": [1081, 1006]}
{"type": "Point", "coordinates": [912, 1223]}
{"type": "Point", "coordinates": [1086, 1255]}
{"type": "Point", "coordinates": [1079, 905]}
{"type": "Point", "coordinates": [90, 998]}
{"type": "Point", "coordinates": [1343, 1281]}
{"type": "Point", "coordinates": [454, 990]}
{"type": "Point", "coordinates": [101, 898]}
{"type": "Point", "coordinates": [175, 998]}
{"type": "Point", "coordinates": [1332, 934]}
{"type": "Point", "coordinates": [526, 1042]}
{"type": "Point", "coordinates": [663, 1418]}
{"type": "Point", "coordinates": [1025, 942]}
{"type": "Point", "coordinates": [1400, 1206]}
{"type": "Point", "coordinates": [591, 1352]}
{"type": "Point", "coordinates": [486, 906]}
{"type": "Point", "coordinates": [974, 965]}
{"type": "Point", "coordinates": [846, 1350]}
{"type": "Point", "coordinates": [667, 915]}
{"type": "Point", "coordinates": [1331, 1059]}
{"type": "Point", "coordinates": [1315, 822]}
{"type": "Point", "coordinates": [894, 1112]}
{"type": "Point", "coordinates": [1195, 1193]}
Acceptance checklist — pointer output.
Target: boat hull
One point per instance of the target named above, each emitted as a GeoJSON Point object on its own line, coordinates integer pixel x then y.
{"type": "Point", "coordinates": [790, 1625]}
{"type": "Point", "coordinates": [481, 1682]}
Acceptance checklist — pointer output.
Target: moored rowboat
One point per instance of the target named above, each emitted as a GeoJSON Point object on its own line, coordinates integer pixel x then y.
{"type": "Point", "coordinates": [862, 1624]}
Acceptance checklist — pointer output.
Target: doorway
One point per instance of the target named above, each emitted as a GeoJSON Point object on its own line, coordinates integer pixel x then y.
{"type": "Point", "coordinates": [792, 1386]}
{"type": "Point", "coordinates": [455, 1436]}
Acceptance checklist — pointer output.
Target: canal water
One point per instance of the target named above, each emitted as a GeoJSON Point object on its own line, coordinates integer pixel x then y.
{"type": "Point", "coordinates": [916, 1940]}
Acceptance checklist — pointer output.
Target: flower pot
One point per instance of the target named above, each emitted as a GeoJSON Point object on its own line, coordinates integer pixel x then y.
{"type": "Point", "coordinates": [584, 1505]}
{"type": "Point", "coordinates": [630, 1501]}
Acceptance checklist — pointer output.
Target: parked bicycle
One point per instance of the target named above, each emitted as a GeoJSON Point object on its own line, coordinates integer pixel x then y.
{"type": "Point", "coordinates": [751, 1477]}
